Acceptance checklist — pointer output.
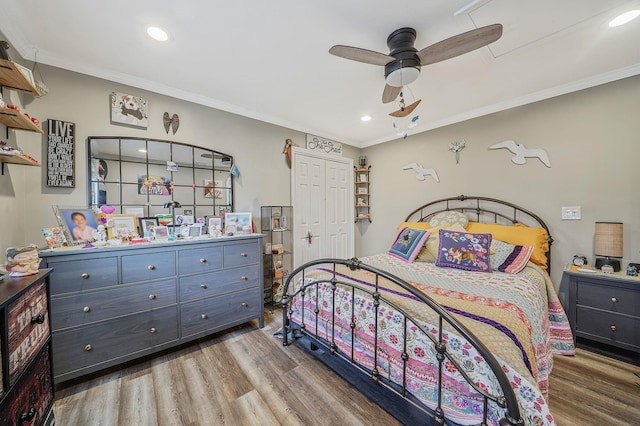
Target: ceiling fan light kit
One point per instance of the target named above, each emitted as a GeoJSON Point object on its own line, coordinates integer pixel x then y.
{"type": "Point", "coordinates": [402, 64]}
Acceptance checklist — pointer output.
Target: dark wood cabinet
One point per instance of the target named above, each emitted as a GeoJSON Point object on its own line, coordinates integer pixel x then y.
{"type": "Point", "coordinates": [26, 396]}
{"type": "Point", "coordinates": [605, 308]}
{"type": "Point", "coordinates": [115, 304]}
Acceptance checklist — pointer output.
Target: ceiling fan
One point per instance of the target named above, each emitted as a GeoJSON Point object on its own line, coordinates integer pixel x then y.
{"type": "Point", "coordinates": [402, 64]}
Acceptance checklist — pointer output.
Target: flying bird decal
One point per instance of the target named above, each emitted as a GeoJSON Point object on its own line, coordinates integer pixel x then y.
{"type": "Point", "coordinates": [522, 153]}
{"type": "Point", "coordinates": [421, 172]}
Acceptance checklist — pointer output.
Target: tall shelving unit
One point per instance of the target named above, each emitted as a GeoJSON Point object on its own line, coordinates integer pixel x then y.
{"type": "Point", "coordinates": [276, 225]}
{"type": "Point", "coordinates": [362, 194]}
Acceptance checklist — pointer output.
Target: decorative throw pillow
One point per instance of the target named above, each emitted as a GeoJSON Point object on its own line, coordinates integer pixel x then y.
{"type": "Point", "coordinates": [408, 243]}
{"type": "Point", "coordinates": [449, 217]}
{"type": "Point", "coordinates": [464, 250]}
{"type": "Point", "coordinates": [518, 235]}
{"type": "Point", "coordinates": [429, 253]}
{"type": "Point", "coordinates": [509, 258]}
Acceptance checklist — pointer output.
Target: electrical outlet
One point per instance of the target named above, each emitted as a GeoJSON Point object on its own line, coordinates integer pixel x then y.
{"type": "Point", "coordinates": [571, 213]}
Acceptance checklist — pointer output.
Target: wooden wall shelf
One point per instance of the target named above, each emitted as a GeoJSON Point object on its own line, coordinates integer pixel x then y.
{"type": "Point", "coordinates": [17, 120]}
{"type": "Point", "coordinates": [18, 159]}
{"type": "Point", "coordinates": [12, 78]}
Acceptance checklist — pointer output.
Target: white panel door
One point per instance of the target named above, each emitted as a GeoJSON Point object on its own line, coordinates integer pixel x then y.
{"type": "Point", "coordinates": [308, 208]}
{"type": "Point", "coordinates": [322, 198]}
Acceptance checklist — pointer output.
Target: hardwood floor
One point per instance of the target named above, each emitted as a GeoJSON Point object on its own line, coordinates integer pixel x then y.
{"type": "Point", "coordinates": [245, 377]}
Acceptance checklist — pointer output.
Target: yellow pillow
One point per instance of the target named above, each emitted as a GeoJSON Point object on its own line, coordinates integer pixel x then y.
{"type": "Point", "coordinates": [415, 225]}
{"type": "Point", "coordinates": [430, 251]}
{"type": "Point", "coordinates": [518, 235]}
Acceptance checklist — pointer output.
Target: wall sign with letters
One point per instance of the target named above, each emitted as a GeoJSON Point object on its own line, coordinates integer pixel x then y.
{"type": "Point", "coordinates": [60, 154]}
{"type": "Point", "coordinates": [317, 143]}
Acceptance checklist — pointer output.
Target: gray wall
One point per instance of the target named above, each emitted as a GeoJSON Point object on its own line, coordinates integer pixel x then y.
{"type": "Point", "coordinates": [591, 138]}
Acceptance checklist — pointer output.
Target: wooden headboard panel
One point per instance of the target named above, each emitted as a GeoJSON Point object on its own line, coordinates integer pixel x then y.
{"type": "Point", "coordinates": [485, 210]}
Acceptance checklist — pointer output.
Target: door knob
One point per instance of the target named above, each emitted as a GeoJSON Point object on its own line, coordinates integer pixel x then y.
{"type": "Point", "coordinates": [309, 237]}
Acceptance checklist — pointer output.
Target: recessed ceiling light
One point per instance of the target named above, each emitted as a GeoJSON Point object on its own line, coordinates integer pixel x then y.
{"type": "Point", "coordinates": [624, 18]}
{"type": "Point", "coordinates": [365, 118]}
{"type": "Point", "coordinates": [157, 33]}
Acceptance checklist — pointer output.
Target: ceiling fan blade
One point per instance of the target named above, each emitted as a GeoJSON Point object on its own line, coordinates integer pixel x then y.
{"type": "Point", "coordinates": [390, 93]}
{"type": "Point", "coordinates": [361, 55]}
{"type": "Point", "coordinates": [460, 44]}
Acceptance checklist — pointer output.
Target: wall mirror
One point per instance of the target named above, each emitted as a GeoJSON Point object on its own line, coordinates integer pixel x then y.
{"type": "Point", "coordinates": [140, 176]}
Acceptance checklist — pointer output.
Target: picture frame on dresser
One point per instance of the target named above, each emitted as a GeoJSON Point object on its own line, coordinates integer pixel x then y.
{"type": "Point", "coordinates": [119, 224]}
{"type": "Point", "coordinates": [147, 224]}
{"type": "Point", "coordinates": [79, 223]}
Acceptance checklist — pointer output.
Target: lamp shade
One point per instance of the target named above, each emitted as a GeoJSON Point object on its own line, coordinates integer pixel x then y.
{"type": "Point", "coordinates": [608, 241]}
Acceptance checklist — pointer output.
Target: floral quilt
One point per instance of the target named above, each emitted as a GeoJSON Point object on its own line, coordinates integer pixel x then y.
{"type": "Point", "coordinates": [518, 317]}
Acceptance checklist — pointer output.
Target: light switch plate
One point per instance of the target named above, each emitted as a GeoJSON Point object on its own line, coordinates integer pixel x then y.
{"type": "Point", "coordinates": [571, 213]}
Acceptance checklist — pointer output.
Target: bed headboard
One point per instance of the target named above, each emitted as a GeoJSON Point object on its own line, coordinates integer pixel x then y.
{"type": "Point", "coordinates": [485, 210]}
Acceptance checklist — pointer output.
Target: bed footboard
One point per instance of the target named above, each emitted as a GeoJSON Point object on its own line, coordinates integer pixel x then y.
{"type": "Point", "coordinates": [417, 350]}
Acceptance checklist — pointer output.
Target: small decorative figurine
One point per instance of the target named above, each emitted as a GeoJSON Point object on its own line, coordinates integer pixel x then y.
{"type": "Point", "coordinates": [632, 271]}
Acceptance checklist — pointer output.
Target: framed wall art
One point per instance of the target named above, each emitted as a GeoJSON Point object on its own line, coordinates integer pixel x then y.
{"type": "Point", "coordinates": [129, 110]}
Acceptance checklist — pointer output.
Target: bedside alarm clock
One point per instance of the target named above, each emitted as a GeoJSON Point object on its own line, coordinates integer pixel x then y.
{"type": "Point", "coordinates": [579, 260]}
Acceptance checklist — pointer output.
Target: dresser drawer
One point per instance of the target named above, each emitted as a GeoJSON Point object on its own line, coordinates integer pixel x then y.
{"type": "Point", "coordinates": [612, 328]}
{"type": "Point", "coordinates": [28, 328]}
{"type": "Point", "coordinates": [216, 283]}
{"type": "Point", "coordinates": [78, 348]}
{"type": "Point", "coordinates": [89, 307]}
{"type": "Point", "coordinates": [81, 275]}
{"type": "Point", "coordinates": [609, 297]}
{"type": "Point", "coordinates": [32, 396]}
{"type": "Point", "coordinates": [218, 313]}
{"type": "Point", "coordinates": [198, 260]}
{"type": "Point", "coordinates": [144, 267]}
{"type": "Point", "coordinates": [241, 254]}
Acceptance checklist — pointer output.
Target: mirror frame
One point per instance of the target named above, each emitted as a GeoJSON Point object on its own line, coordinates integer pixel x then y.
{"type": "Point", "coordinates": [121, 175]}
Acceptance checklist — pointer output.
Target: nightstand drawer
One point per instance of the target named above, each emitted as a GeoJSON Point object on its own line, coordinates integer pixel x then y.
{"type": "Point", "coordinates": [608, 327]}
{"type": "Point", "coordinates": [28, 329]}
{"type": "Point", "coordinates": [608, 297]}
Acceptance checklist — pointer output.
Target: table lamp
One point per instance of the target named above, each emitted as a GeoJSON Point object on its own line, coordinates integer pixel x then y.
{"type": "Point", "coordinates": [608, 244]}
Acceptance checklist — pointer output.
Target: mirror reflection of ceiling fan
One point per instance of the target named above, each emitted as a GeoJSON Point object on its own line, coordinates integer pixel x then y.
{"type": "Point", "coordinates": [402, 64]}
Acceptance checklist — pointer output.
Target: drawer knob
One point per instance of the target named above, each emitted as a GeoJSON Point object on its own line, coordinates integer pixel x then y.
{"type": "Point", "coordinates": [244, 278]}
{"type": "Point", "coordinates": [153, 330]}
{"type": "Point", "coordinates": [86, 309]}
{"type": "Point", "coordinates": [204, 316]}
{"type": "Point", "coordinates": [28, 416]}
{"type": "Point", "coordinates": [37, 319]}
{"type": "Point", "coordinates": [613, 328]}
{"type": "Point", "coordinates": [244, 305]}
{"type": "Point", "coordinates": [203, 260]}
{"type": "Point", "coordinates": [614, 299]}
{"type": "Point", "coordinates": [243, 254]}
{"type": "Point", "coordinates": [84, 276]}
{"type": "Point", "coordinates": [203, 286]}
{"type": "Point", "coordinates": [151, 267]}
{"type": "Point", "coordinates": [152, 297]}
{"type": "Point", "coordinates": [88, 348]}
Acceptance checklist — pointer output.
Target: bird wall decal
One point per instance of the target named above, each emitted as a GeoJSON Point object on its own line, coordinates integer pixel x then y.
{"type": "Point", "coordinates": [421, 172]}
{"type": "Point", "coordinates": [522, 153]}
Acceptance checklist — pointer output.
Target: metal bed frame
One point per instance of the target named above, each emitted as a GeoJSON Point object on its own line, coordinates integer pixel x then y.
{"type": "Point", "coordinates": [481, 209]}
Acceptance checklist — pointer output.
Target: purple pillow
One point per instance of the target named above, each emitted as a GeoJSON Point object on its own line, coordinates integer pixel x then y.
{"type": "Point", "coordinates": [408, 243]}
{"type": "Point", "coordinates": [464, 250]}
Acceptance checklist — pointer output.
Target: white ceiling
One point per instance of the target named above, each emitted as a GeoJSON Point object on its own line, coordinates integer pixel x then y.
{"type": "Point", "coordinates": [269, 60]}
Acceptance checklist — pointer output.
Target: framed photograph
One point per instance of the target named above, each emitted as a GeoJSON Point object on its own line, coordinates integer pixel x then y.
{"type": "Point", "coordinates": [240, 221]}
{"type": "Point", "coordinates": [54, 237]}
{"type": "Point", "coordinates": [136, 211]}
{"type": "Point", "coordinates": [362, 191]}
{"type": "Point", "coordinates": [147, 225]}
{"type": "Point", "coordinates": [121, 225]}
{"type": "Point", "coordinates": [363, 177]}
{"type": "Point", "coordinates": [161, 233]}
{"type": "Point", "coordinates": [216, 222]}
{"type": "Point", "coordinates": [276, 223]}
{"type": "Point", "coordinates": [129, 110]}
{"type": "Point", "coordinates": [195, 230]}
{"type": "Point", "coordinates": [80, 224]}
